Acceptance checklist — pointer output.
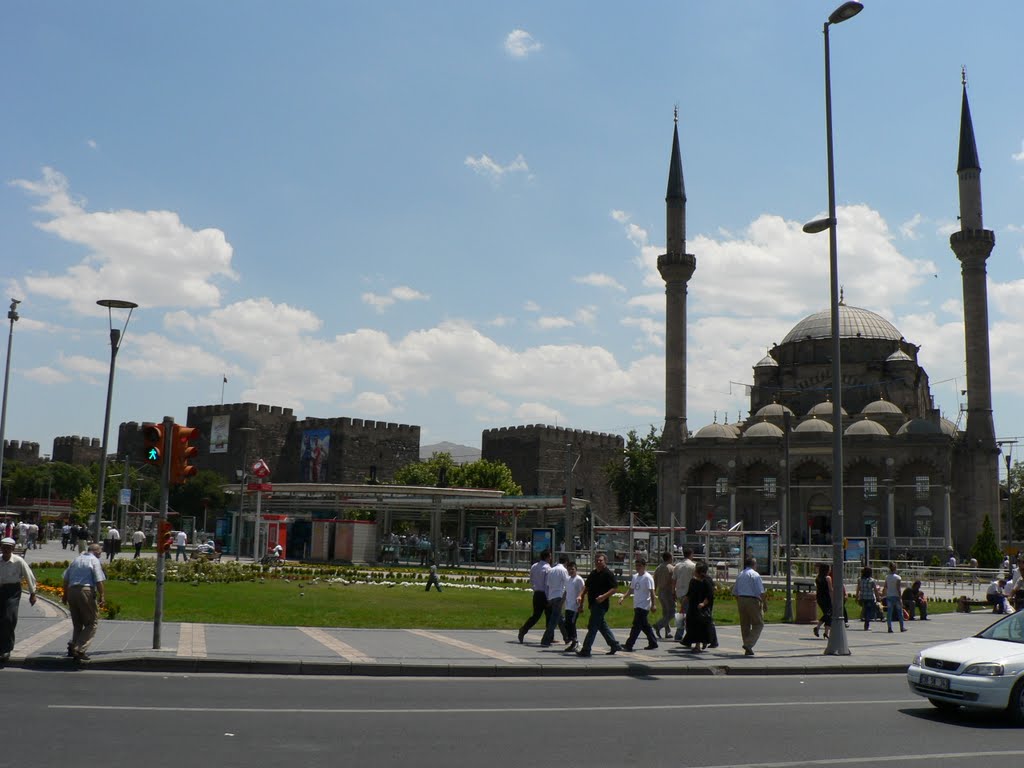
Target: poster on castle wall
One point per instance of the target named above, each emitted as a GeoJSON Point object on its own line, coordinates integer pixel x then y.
{"type": "Point", "coordinates": [314, 456]}
{"type": "Point", "coordinates": [219, 429]}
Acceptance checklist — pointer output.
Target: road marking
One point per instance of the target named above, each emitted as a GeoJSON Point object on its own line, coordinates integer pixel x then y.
{"type": "Point", "coordinates": [346, 651]}
{"type": "Point", "coordinates": [462, 645]}
{"type": "Point", "coordinates": [192, 641]}
{"type": "Point", "coordinates": [874, 759]}
{"type": "Point", "coordinates": [39, 639]}
{"type": "Point", "coordinates": [496, 710]}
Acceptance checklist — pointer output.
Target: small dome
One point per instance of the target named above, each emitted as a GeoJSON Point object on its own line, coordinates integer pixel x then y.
{"type": "Point", "coordinates": [881, 407]}
{"type": "Point", "coordinates": [899, 356]}
{"type": "Point", "coordinates": [712, 431]}
{"type": "Point", "coordinates": [822, 410]}
{"type": "Point", "coordinates": [736, 428]}
{"type": "Point", "coordinates": [772, 410]}
{"type": "Point", "coordinates": [763, 429]}
{"type": "Point", "coordinates": [919, 427]}
{"type": "Point", "coordinates": [947, 427]}
{"type": "Point", "coordinates": [866, 427]}
{"type": "Point", "coordinates": [813, 424]}
{"type": "Point", "coordinates": [767, 362]}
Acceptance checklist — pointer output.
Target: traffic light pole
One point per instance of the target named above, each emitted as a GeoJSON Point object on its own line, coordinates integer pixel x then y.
{"type": "Point", "coordinates": [161, 553]}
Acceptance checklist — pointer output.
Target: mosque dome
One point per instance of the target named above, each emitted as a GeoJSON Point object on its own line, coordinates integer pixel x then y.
{"type": "Point", "coordinates": [947, 427]}
{"type": "Point", "coordinates": [713, 431]}
{"type": "Point", "coordinates": [854, 322]}
{"type": "Point", "coordinates": [763, 429]}
{"type": "Point", "coordinates": [767, 362]}
{"type": "Point", "coordinates": [899, 356]}
{"type": "Point", "coordinates": [822, 410]}
{"type": "Point", "coordinates": [772, 410]}
{"type": "Point", "coordinates": [919, 427]}
{"type": "Point", "coordinates": [866, 427]}
{"type": "Point", "coordinates": [813, 424]}
{"type": "Point", "coordinates": [881, 408]}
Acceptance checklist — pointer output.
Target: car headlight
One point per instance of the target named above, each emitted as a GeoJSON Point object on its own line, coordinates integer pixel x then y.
{"type": "Point", "coordinates": [984, 670]}
{"type": "Point", "coordinates": [919, 659]}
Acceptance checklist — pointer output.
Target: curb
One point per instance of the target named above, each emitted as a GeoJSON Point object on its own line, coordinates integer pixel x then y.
{"type": "Point", "coordinates": [176, 665]}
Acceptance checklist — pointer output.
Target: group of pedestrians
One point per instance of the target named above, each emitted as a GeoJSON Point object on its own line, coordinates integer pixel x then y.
{"type": "Point", "coordinates": [890, 595]}
{"type": "Point", "coordinates": [684, 591]}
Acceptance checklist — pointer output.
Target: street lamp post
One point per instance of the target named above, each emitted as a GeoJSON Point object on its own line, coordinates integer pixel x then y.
{"type": "Point", "coordinates": [837, 642]}
{"type": "Point", "coordinates": [115, 343]}
{"type": "Point", "coordinates": [242, 477]}
{"type": "Point", "coordinates": [12, 315]}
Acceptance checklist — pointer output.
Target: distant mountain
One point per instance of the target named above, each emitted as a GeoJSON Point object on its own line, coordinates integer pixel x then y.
{"type": "Point", "coordinates": [462, 454]}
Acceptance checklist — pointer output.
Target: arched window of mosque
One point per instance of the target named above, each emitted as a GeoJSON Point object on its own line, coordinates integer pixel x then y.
{"type": "Point", "coordinates": [722, 486]}
{"type": "Point", "coordinates": [870, 487]}
{"type": "Point", "coordinates": [922, 521]}
{"type": "Point", "coordinates": [922, 485]}
{"type": "Point", "coordinates": [768, 488]}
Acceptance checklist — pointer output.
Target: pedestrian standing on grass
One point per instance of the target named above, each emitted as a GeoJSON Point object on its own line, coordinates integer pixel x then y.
{"type": "Point", "coordinates": [539, 584]}
{"type": "Point", "coordinates": [642, 589]}
{"type": "Point", "coordinates": [433, 580]}
{"type": "Point", "coordinates": [13, 569]}
{"type": "Point", "coordinates": [751, 601]}
{"type": "Point", "coordinates": [598, 588]}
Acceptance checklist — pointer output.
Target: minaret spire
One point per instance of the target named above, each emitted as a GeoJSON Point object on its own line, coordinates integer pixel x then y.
{"type": "Point", "coordinates": [968, 168]}
{"type": "Point", "coordinates": [675, 196]}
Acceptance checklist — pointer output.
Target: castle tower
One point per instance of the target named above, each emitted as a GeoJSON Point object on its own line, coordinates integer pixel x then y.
{"type": "Point", "coordinates": [676, 267]}
{"type": "Point", "coordinates": [972, 246]}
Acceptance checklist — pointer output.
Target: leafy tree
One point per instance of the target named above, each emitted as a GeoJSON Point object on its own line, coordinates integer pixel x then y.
{"type": "Point", "coordinates": [201, 497]}
{"type": "Point", "coordinates": [986, 548]}
{"type": "Point", "coordinates": [635, 480]}
{"type": "Point", "coordinates": [84, 504]}
{"type": "Point", "coordinates": [441, 470]}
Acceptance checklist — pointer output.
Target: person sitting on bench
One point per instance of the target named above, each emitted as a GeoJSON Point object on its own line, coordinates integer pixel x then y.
{"type": "Point", "coordinates": [914, 599]}
{"type": "Point", "coordinates": [995, 597]}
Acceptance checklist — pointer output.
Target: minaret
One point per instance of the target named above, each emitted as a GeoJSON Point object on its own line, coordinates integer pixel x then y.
{"type": "Point", "coordinates": [676, 267]}
{"type": "Point", "coordinates": [972, 246]}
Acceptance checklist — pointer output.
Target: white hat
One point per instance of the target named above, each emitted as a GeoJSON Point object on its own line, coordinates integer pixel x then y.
{"type": "Point", "coordinates": [8, 540]}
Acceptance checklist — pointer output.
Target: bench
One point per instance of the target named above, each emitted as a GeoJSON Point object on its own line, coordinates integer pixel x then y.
{"type": "Point", "coordinates": [210, 557]}
{"type": "Point", "coordinates": [964, 605]}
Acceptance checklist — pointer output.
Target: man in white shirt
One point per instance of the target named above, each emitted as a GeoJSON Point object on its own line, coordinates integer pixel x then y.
{"type": "Point", "coordinates": [642, 589]}
{"type": "Point", "coordinates": [893, 598]}
{"type": "Point", "coordinates": [83, 594]}
{"type": "Point", "coordinates": [573, 606]}
{"type": "Point", "coordinates": [138, 539]}
{"type": "Point", "coordinates": [180, 540]}
{"type": "Point", "coordinates": [12, 570]}
{"type": "Point", "coordinates": [681, 575]}
{"type": "Point", "coordinates": [539, 583]}
{"type": "Point", "coordinates": [750, 601]}
{"type": "Point", "coordinates": [65, 535]}
{"type": "Point", "coordinates": [556, 580]}
{"type": "Point", "coordinates": [995, 596]}
{"type": "Point", "coordinates": [113, 542]}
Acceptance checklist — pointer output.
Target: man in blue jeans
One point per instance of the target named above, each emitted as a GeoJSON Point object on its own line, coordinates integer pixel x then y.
{"type": "Point", "coordinates": [598, 588]}
{"type": "Point", "coordinates": [893, 598]}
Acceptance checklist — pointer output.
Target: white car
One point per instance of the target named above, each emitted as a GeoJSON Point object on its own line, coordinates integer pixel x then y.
{"type": "Point", "coordinates": [983, 672]}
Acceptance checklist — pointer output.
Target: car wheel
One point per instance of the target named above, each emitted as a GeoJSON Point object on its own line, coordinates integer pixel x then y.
{"type": "Point", "coordinates": [1015, 709]}
{"type": "Point", "coordinates": [944, 706]}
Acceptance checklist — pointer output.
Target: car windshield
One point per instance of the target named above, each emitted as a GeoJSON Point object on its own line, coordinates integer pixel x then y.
{"type": "Point", "coordinates": [1010, 629]}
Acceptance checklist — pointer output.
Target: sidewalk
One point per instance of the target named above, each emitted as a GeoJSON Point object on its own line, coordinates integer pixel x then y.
{"type": "Point", "coordinates": [784, 649]}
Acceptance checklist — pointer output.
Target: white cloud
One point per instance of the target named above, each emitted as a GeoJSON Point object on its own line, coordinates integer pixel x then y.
{"type": "Point", "coordinates": [947, 227]}
{"type": "Point", "coordinates": [531, 306]}
{"type": "Point", "coordinates": [653, 330]}
{"type": "Point", "coordinates": [539, 413]}
{"type": "Point", "coordinates": [44, 374]}
{"type": "Point", "coordinates": [486, 166]}
{"type": "Point", "coordinates": [249, 327]}
{"type": "Point", "coordinates": [380, 302]}
{"type": "Point", "coordinates": [372, 404]}
{"type": "Point", "coordinates": [1019, 156]}
{"type": "Point", "coordinates": [553, 322]}
{"type": "Point", "coordinates": [586, 315]}
{"type": "Point", "coordinates": [909, 228]}
{"type": "Point", "coordinates": [519, 44]}
{"type": "Point", "coordinates": [91, 144]}
{"type": "Point", "coordinates": [501, 321]}
{"type": "Point", "coordinates": [599, 280]}
{"type": "Point", "coordinates": [150, 257]}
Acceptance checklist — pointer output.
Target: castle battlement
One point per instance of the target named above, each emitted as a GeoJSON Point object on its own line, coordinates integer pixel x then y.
{"type": "Point", "coordinates": [231, 409]}
{"type": "Point", "coordinates": [77, 441]}
{"type": "Point", "coordinates": [346, 424]}
{"type": "Point", "coordinates": [551, 432]}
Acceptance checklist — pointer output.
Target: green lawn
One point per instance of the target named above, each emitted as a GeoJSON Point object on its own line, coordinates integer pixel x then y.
{"type": "Point", "coordinates": [300, 603]}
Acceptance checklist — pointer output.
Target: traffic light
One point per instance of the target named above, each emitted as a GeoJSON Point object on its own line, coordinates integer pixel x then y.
{"type": "Point", "coordinates": [164, 537]}
{"type": "Point", "coordinates": [153, 444]}
{"type": "Point", "coordinates": [182, 453]}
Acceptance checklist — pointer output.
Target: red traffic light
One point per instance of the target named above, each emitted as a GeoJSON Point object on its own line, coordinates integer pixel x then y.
{"type": "Point", "coordinates": [182, 453]}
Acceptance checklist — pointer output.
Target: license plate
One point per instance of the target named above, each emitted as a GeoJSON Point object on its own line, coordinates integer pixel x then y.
{"type": "Point", "coordinates": [939, 683]}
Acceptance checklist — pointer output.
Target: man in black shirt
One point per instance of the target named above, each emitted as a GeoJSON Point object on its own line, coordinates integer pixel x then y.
{"type": "Point", "coordinates": [598, 588]}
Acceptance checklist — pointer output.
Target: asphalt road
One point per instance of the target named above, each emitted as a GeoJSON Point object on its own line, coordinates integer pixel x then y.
{"type": "Point", "coordinates": [154, 720]}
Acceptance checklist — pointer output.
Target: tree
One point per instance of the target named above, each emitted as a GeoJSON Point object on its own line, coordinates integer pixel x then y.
{"type": "Point", "coordinates": [84, 504]}
{"type": "Point", "coordinates": [441, 470]}
{"type": "Point", "coordinates": [986, 548]}
{"type": "Point", "coordinates": [635, 480]}
{"type": "Point", "coordinates": [202, 497]}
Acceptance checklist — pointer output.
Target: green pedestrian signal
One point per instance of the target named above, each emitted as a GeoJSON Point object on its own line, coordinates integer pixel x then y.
{"type": "Point", "coordinates": [153, 444]}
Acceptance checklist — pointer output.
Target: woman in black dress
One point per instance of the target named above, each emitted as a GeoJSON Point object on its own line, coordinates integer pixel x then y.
{"type": "Point", "coordinates": [700, 600]}
{"type": "Point", "coordinates": [823, 586]}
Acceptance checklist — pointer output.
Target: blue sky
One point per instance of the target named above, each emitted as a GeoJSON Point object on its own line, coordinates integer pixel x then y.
{"type": "Point", "coordinates": [448, 214]}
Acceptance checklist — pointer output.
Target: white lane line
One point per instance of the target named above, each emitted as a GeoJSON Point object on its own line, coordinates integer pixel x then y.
{"type": "Point", "coordinates": [496, 710]}
{"type": "Point", "coordinates": [874, 759]}
{"type": "Point", "coordinates": [346, 651]}
{"type": "Point", "coordinates": [39, 639]}
{"type": "Point", "coordinates": [192, 641]}
{"type": "Point", "coordinates": [462, 645]}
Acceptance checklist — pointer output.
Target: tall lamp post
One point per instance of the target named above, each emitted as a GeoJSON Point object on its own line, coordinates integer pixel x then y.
{"type": "Point", "coordinates": [837, 642]}
{"type": "Point", "coordinates": [115, 343]}
{"type": "Point", "coordinates": [12, 315]}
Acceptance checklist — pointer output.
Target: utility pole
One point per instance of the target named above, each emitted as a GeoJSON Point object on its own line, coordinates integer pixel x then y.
{"type": "Point", "coordinates": [161, 555]}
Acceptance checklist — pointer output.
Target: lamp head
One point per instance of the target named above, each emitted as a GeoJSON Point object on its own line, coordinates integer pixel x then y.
{"type": "Point", "coordinates": [845, 11]}
{"type": "Point", "coordinates": [818, 225]}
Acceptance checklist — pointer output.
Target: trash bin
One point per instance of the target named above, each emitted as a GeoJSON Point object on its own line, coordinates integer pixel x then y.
{"type": "Point", "coordinates": [806, 604]}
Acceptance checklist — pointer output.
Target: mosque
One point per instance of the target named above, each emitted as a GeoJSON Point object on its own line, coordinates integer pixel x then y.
{"type": "Point", "coordinates": [911, 479]}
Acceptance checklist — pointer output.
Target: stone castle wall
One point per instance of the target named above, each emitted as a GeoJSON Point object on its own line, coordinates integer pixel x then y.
{"type": "Point", "coordinates": [72, 449]}
{"type": "Point", "coordinates": [23, 450]}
